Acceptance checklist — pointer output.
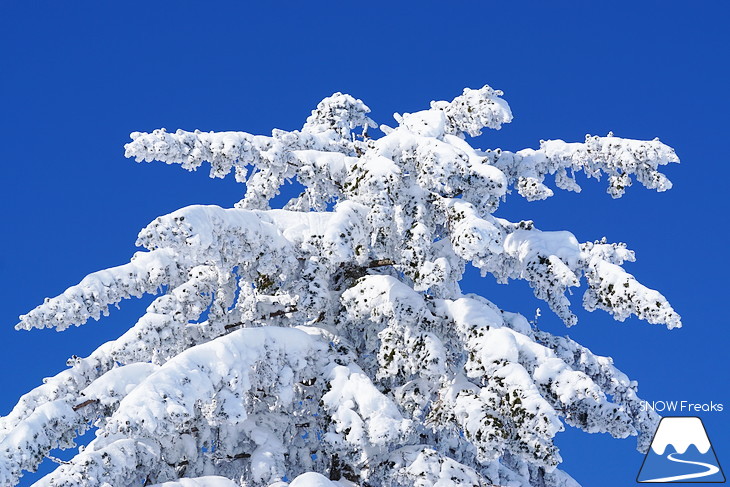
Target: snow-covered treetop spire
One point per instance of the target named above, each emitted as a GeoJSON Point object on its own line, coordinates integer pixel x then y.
{"type": "Point", "coordinates": [341, 113]}
{"type": "Point", "coordinates": [473, 111]}
{"type": "Point", "coordinates": [332, 335]}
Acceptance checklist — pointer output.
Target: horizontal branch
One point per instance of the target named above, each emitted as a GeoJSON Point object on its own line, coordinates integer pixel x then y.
{"type": "Point", "coordinates": [273, 314]}
{"type": "Point", "coordinates": [380, 263]}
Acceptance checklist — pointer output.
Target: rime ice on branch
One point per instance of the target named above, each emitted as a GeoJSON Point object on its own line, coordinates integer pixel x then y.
{"type": "Point", "coordinates": [329, 342]}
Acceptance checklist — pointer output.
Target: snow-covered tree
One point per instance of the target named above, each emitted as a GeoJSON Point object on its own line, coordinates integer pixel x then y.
{"type": "Point", "coordinates": [329, 342]}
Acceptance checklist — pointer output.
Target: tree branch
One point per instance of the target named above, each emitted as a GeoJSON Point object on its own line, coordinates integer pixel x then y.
{"type": "Point", "coordinates": [380, 263]}
{"type": "Point", "coordinates": [84, 404]}
{"type": "Point", "coordinates": [274, 314]}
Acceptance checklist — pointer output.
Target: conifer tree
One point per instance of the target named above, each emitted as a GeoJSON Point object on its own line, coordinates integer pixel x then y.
{"type": "Point", "coordinates": [329, 343]}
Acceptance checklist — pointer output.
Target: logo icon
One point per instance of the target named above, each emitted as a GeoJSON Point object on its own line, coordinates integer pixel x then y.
{"type": "Point", "coordinates": [680, 452]}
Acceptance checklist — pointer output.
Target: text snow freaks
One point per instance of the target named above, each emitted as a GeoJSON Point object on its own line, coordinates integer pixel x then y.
{"type": "Point", "coordinates": [681, 406]}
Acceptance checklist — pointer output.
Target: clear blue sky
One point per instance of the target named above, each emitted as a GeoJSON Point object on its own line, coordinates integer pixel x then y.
{"type": "Point", "coordinates": [77, 77]}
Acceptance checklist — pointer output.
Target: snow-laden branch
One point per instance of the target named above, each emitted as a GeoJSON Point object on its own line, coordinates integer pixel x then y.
{"type": "Point", "coordinates": [611, 380]}
{"type": "Point", "coordinates": [614, 290]}
{"type": "Point", "coordinates": [50, 426]}
{"type": "Point", "coordinates": [161, 404]}
{"type": "Point", "coordinates": [272, 160]}
{"type": "Point", "coordinates": [554, 261]}
{"type": "Point", "coordinates": [114, 464]}
{"type": "Point", "coordinates": [146, 273]}
{"type": "Point", "coordinates": [154, 338]}
{"type": "Point", "coordinates": [424, 466]}
{"type": "Point", "coordinates": [517, 384]}
{"type": "Point", "coordinates": [365, 418]}
{"type": "Point", "coordinates": [614, 156]}
{"type": "Point", "coordinates": [220, 368]}
{"type": "Point", "coordinates": [207, 481]}
{"type": "Point", "coordinates": [167, 401]}
{"type": "Point", "coordinates": [254, 243]}
{"type": "Point", "coordinates": [97, 381]}
{"type": "Point", "coordinates": [55, 424]}
{"type": "Point", "coordinates": [509, 392]}
{"type": "Point", "coordinates": [327, 129]}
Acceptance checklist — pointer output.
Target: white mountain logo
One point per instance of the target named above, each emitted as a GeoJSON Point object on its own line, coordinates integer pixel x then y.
{"type": "Point", "coordinates": [680, 452]}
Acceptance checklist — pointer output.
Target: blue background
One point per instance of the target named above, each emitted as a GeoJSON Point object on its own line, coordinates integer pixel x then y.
{"type": "Point", "coordinates": [77, 77]}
